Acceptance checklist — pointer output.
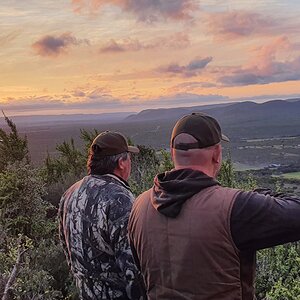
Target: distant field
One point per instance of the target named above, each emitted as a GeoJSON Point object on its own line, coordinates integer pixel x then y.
{"type": "Point", "coordinates": [293, 175]}
{"type": "Point", "coordinates": [272, 139]}
{"type": "Point", "coordinates": [244, 167]}
{"type": "Point", "coordinates": [256, 141]}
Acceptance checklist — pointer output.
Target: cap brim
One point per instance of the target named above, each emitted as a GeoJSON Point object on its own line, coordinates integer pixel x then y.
{"type": "Point", "coordinates": [225, 138]}
{"type": "Point", "coordinates": [133, 149]}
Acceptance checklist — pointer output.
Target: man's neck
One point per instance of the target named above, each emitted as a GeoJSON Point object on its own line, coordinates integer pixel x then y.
{"type": "Point", "coordinates": [206, 170]}
{"type": "Point", "coordinates": [119, 174]}
{"type": "Point", "coordinates": [119, 178]}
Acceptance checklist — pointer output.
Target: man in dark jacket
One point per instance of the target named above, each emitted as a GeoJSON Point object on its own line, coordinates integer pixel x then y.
{"type": "Point", "coordinates": [194, 239]}
{"type": "Point", "coordinates": [93, 219]}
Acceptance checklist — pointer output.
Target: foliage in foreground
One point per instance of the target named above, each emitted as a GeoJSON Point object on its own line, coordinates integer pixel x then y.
{"type": "Point", "coordinates": [32, 264]}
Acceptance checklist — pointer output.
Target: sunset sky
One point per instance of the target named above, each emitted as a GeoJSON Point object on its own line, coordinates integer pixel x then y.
{"type": "Point", "coordinates": [80, 56]}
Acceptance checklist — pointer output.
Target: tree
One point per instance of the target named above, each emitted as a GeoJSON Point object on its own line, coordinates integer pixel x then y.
{"type": "Point", "coordinates": [12, 146]}
{"type": "Point", "coordinates": [70, 160]}
{"type": "Point", "coordinates": [145, 166]}
{"type": "Point", "coordinates": [27, 235]}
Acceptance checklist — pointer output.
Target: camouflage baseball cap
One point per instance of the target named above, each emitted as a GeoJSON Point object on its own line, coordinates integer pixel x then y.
{"type": "Point", "coordinates": [113, 143]}
{"type": "Point", "coordinates": [204, 128]}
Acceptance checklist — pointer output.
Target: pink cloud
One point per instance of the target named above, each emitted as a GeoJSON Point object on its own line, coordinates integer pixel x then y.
{"type": "Point", "coordinates": [237, 24]}
{"type": "Point", "coordinates": [50, 45]}
{"type": "Point", "coordinates": [265, 56]}
{"type": "Point", "coordinates": [266, 67]}
{"type": "Point", "coordinates": [144, 10]}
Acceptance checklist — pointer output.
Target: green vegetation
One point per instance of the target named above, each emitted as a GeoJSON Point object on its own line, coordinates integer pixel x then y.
{"type": "Point", "coordinates": [32, 264]}
{"type": "Point", "coordinates": [292, 175]}
{"type": "Point", "coordinates": [28, 229]}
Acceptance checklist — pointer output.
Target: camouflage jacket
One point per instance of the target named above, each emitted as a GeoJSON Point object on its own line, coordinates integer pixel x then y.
{"type": "Point", "coordinates": [93, 218]}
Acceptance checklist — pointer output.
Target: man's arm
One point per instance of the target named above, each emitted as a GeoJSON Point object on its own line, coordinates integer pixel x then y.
{"type": "Point", "coordinates": [134, 254]}
{"type": "Point", "coordinates": [260, 220]}
{"type": "Point", "coordinates": [61, 227]}
{"type": "Point", "coordinates": [119, 214]}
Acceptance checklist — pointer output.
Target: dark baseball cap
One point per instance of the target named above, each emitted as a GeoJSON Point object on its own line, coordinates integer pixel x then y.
{"type": "Point", "coordinates": [204, 128]}
{"type": "Point", "coordinates": [113, 143]}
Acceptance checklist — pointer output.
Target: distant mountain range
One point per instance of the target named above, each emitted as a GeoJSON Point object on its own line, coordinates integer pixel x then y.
{"type": "Point", "coordinates": [226, 113]}
{"type": "Point", "coordinates": [68, 118]}
{"type": "Point", "coordinates": [232, 113]}
{"type": "Point", "coordinates": [170, 113]}
{"type": "Point", "coordinates": [239, 120]}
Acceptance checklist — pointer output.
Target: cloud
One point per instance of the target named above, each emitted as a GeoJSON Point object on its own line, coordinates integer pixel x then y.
{"type": "Point", "coordinates": [281, 71]}
{"type": "Point", "coordinates": [191, 86]}
{"type": "Point", "coordinates": [176, 41]}
{"type": "Point", "coordinates": [237, 24]}
{"type": "Point", "coordinates": [194, 68]}
{"type": "Point", "coordinates": [99, 100]}
{"type": "Point", "coordinates": [34, 103]}
{"type": "Point", "coordinates": [262, 98]}
{"type": "Point", "coordinates": [187, 99]}
{"type": "Point", "coordinates": [81, 98]}
{"type": "Point", "coordinates": [77, 93]}
{"type": "Point", "coordinates": [124, 45]}
{"type": "Point", "coordinates": [268, 52]}
{"type": "Point", "coordinates": [7, 38]}
{"type": "Point", "coordinates": [265, 67]}
{"type": "Point", "coordinates": [143, 10]}
{"type": "Point", "coordinates": [52, 46]}
{"type": "Point", "coordinates": [65, 103]}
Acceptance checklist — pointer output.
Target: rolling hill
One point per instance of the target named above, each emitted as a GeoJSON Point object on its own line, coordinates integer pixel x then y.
{"type": "Point", "coordinates": [242, 112]}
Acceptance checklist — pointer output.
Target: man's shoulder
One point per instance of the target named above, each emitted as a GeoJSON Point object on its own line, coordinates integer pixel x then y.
{"type": "Point", "coordinates": [143, 197]}
{"type": "Point", "coordinates": [145, 194]}
{"type": "Point", "coordinates": [107, 182]}
{"type": "Point", "coordinates": [73, 189]}
{"type": "Point", "coordinates": [116, 186]}
{"type": "Point", "coordinates": [98, 187]}
{"type": "Point", "coordinates": [223, 190]}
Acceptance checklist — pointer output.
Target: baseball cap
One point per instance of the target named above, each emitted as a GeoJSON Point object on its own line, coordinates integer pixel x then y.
{"type": "Point", "coordinates": [112, 143]}
{"type": "Point", "coordinates": [204, 128]}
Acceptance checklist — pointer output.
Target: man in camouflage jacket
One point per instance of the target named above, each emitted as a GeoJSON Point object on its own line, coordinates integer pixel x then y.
{"type": "Point", "coordinates": [93, 219]}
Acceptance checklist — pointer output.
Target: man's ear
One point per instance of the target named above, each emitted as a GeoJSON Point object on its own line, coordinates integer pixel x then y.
{"type": "Point", "coordinates": [172, 153]}
{"type": "Point", "coordinates": [121, 163]}
{"type": "Point", "coordinates": [217, 154]}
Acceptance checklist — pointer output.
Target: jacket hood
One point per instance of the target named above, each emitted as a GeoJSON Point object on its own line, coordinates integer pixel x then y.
{"type": "Point", "coordinates": [171, 189]}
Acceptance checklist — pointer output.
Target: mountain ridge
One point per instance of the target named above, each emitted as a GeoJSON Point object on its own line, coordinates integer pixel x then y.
{"type": "Point", "coordinates": [273, 108]}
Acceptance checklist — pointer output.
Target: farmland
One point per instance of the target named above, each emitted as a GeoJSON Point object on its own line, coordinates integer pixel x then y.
{"type": "Point", "coordinates": [292, 175]}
